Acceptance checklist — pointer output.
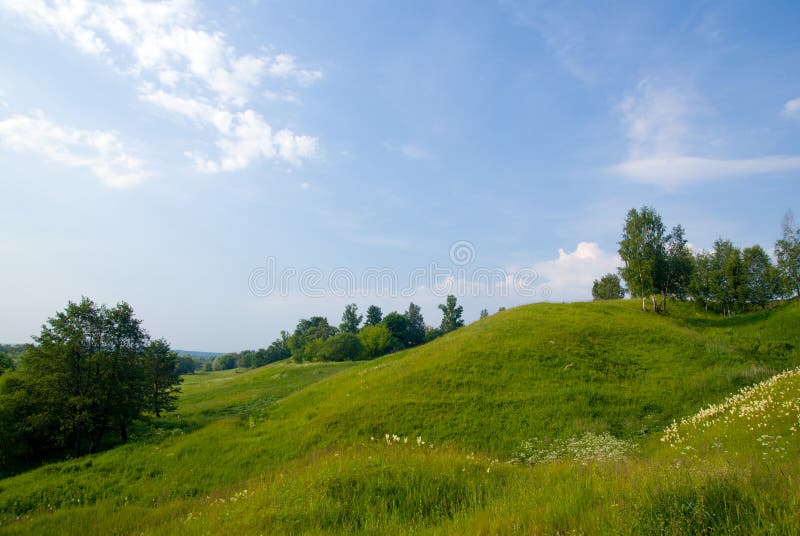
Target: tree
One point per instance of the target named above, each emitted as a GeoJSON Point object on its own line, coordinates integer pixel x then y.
{"type": "Point", "coordinates": [677, 266]}
{"type": "Point", "coordinates": [700, 281]}
{"type": "Point", "coordinates": [343, 346]}
{"type": "Point", "coordinates": [308, 336]}
{"type": "Point", "coordinates": [726, 276]}
{"type": "Point", "coordinates": [187, 364]}
{"type": "Point", "coordinates": [415, 332]}
{"type": "Point", "coordinates": [85, 376]}
{"type": "Point", "coordinates": [162, 376]}
{"type": "Point", "coordinates": [5, 363]}
{"type": "Point", "coordinates": [451, 315]}
{"type": "Point", "coordinates": [225, 362]}
{"type": "Point", "coordinates": [278, 350]}
{"type": "Point", "coordinates": [608, 287]}
{"type": "Point", "coordinates": [350, 319]}
{"type": "Point", "coordinates": [760, 278]}
{"type": "Point", "coordinates": [642, 251]}
{"type": "Point", "coordinates": [484, 313]}
{"type": "Point", "coordinates": [377, 340]}
{"type": "Point", "coordinates": [398, 326]}
{"type": "Point", "coordinates": [787, 251]}
{"type": "Point", "coordinates": [374, 316]}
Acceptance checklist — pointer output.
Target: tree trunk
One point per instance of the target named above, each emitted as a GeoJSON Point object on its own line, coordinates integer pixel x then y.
{"type": "Point", "coordinates": [123, 431]}
{"type": "Point", "coordinates": [644, 309]}
{"type": "Point", "coordinates": [655, 303]}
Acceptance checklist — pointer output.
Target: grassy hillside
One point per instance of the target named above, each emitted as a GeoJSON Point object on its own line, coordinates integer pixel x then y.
{"type": "Point", "coordinates": [304, 448]}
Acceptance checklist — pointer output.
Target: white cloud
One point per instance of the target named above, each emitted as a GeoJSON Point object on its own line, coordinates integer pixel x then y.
{"type": "Point", "coordinates": [99, 152]}
{"type": "Point", "coordinates": [792, 108]}
{"type": "Point", "coordinates": [571, 275]}
{"type": "Point", "coordinates": [677, 170]}
{"type": "Point", "coordinates": [282, 97]}
{"type": "Point", "coordinates": [182, 66]}
{"type": "Point", "coordinates": [664, 138]}
{"type": "Point", "coordinates": [284, 66]}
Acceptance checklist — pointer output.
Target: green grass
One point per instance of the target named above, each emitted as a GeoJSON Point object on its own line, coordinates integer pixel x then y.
{"type": "Point", "coordinates": [301, 448]}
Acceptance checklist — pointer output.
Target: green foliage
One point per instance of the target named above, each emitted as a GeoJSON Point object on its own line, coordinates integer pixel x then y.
{"type": "Point", "coordinates": [415, 330]}
{"type": "Point", "coordinates": [374, 316]}
{"type": "Point", "coordinates": [484, 313]}
{"type": "Point", "coordinates": [608, 287]}
{"type": "Point", "coordinates": [451, 315]}
{"type": "Point", "coordinates": [308, 337]}
{"type": "Point", "coordinates": [787, 251]}
{"type": "Point", "coordinates": [398, 326]}
{"type": "Point", "coordinates": [761, 282]}
{"type": "Point", "coordinates": [162, 376]}
{"type": "Point", "coordinates": [344, 346]}
{"type": "Point", "coordinates": [225, 362]}
{"type": "Point", "coordinates": [377, 341]}
{"type": "Point", "coordinates": [5, 363]}
{"type": "Point", "coordinates": [642, 249]}
{"type": "Point", "coordinates": [187, 364]}
{"type": "Point", "coordinates": [350, 319]}
{"type": "Point", "coordinates": [92, 370]}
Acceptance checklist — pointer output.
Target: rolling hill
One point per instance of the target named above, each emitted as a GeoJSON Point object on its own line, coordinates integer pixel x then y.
{"type": "Point", "coordinates": [581, 397]}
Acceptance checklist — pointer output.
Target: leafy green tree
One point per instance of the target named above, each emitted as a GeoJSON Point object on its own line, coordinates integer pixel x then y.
{"type": "Point", "coordinates": [187, 364]}
{"type": "Point", "coordinates": [726, 276]}
{"type": "Point", "coordinates": [277, 351]}
{"type": "Point", "coordinates": [343, 346]}
{"type": "Point", "coordinates": [484, 313]}
{"type": "Point", "coordinates": [415, 332]}
{"type": "Point", "coordinates": [760, 277]}
{"type": "Point", "coordinates": [350, 319]}
{"type": "Point", "coordinates": [677, 266]}
{"type": "Point", "coordinates": [225, 362]}
{"type": "Point", "coordinates": [308, 336]}
{"type": "Point", "coordinates": [608, 287]}
{"type": "Point", "coordinates": [642, 251]}
{"type": "Point", "coordinates": [162, 376]}
{"type": "Point", "coordinates": [701, 280]}
{"type": "Point", "coordinates": [451, 315]}
{"type": "Point", "coordinates": [5, 363]}
{"type": "Point", "coordinates": [787, 251]}
{"type": "Point", "coordinates": [374, 316]}
{"type": "Point", "coordinates": [377, 341]}
{"type": "Point", "coordinates": [398, 325]}
{"type": "Point", "coordinates": [84, 376]}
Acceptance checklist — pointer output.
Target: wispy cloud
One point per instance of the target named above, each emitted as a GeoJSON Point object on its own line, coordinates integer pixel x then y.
{"type": "Point", "coordinates": [678, 170]}
{"type": "Point", "coordinates": [101, 153]}
{"type": "Point", "coordinates": [409, 151]}
{"type": "Point", "coordinates": [792, 108]}
{"type": "Point", "coordinates": [183, 68]}
{"type": "Point", "coordinates": [665, 143]}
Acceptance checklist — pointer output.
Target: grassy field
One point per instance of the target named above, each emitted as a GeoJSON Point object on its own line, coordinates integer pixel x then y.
{"type": "Point", "coordinates": [595, 403]}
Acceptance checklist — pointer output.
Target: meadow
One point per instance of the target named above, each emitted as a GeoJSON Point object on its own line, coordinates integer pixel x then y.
{"type": "Point", "coordinates": [581, 418]}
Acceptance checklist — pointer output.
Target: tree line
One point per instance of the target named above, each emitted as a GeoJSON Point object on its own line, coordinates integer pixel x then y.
{"type": "Point", "coordinates": [658, 264]}
{"type": "Point", "coordinates": [92, 372]}
{"type": "Point", "coordinates": [356, 337]}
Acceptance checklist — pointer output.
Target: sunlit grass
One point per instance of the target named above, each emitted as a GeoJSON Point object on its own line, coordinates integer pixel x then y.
{"type": "Point", "coordinates": [290, 448]}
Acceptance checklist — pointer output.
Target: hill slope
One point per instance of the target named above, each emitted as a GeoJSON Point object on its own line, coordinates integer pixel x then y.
{"type": "Point", "coordinates": [542, 371]}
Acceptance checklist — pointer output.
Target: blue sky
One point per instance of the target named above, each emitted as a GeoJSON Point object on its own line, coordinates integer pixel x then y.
{"type": "Point", "coordinates": [162, 152]}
